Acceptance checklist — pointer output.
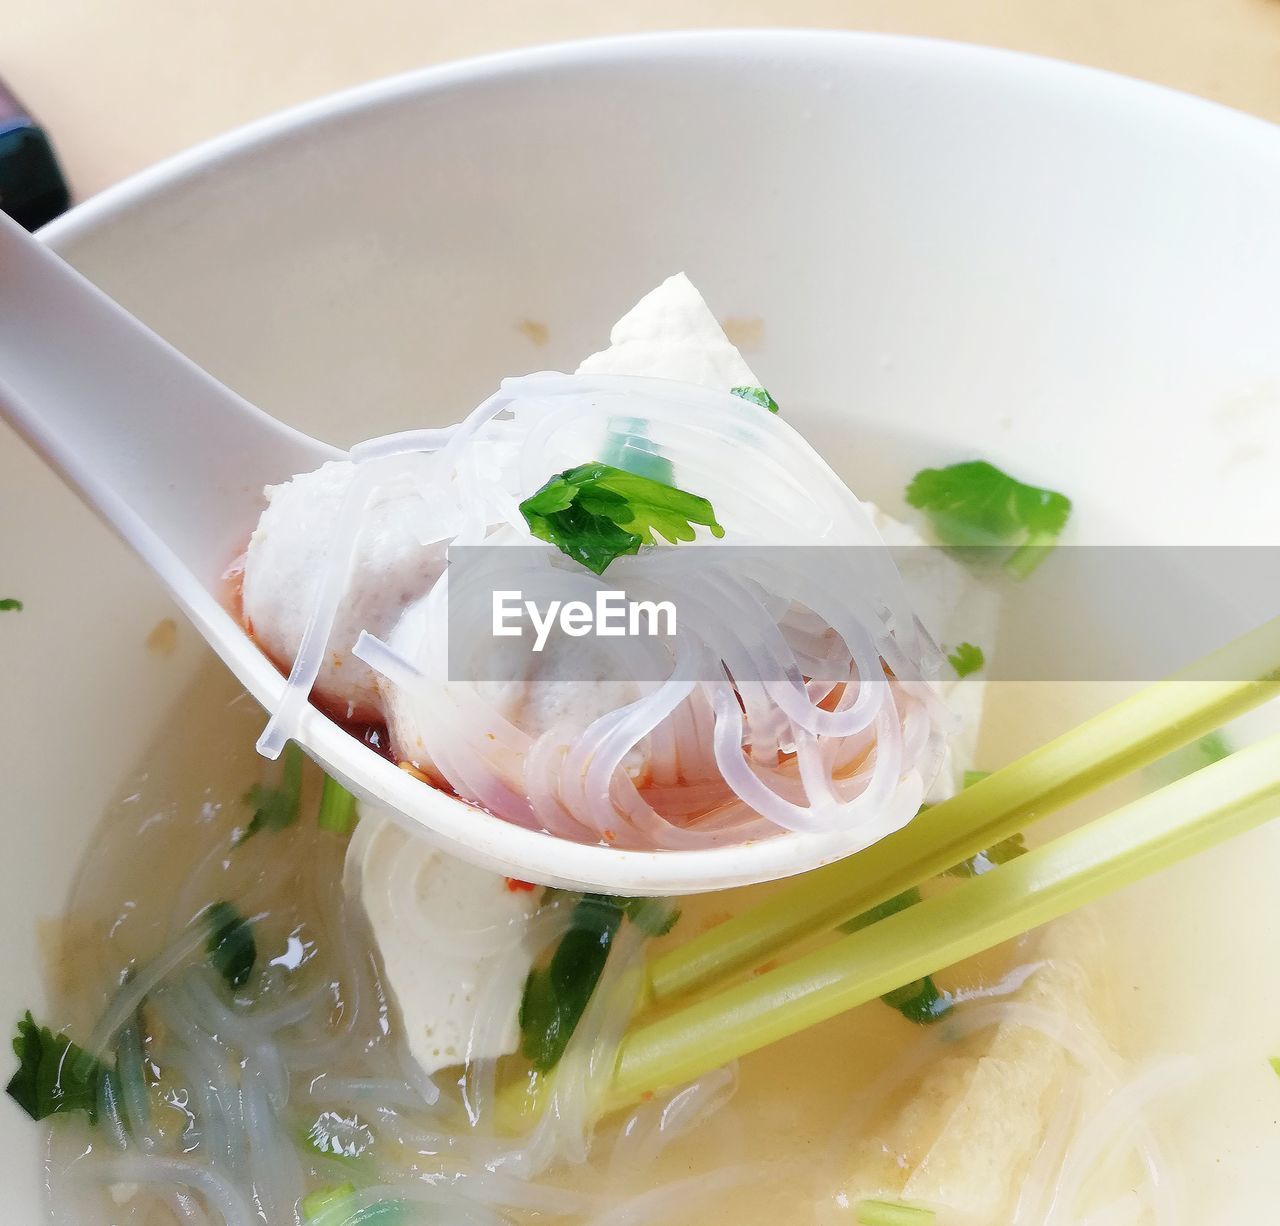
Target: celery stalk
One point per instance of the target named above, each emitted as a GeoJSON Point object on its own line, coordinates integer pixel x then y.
{"type": "Point", "coordinates": [1157, 720]}
{"type": "Point", "coordinates": [337, 808]}
{"type": "Point", "coordinates": [1186, 817]}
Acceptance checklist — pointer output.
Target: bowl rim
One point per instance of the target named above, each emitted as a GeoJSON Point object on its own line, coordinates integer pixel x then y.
{"type": "Point", "coordinates": [207, 154]}
{"type": "Point", "coordinates": [471, 833]}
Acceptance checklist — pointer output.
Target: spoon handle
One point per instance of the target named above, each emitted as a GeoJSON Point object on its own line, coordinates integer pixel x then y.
{"type": "Point", "coordinates": [168, 456]}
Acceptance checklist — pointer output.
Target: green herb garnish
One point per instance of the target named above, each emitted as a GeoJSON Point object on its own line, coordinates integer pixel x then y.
{"type": "Point", "coordinates": [890, 906]}
{"type": "Point", "coordinates": [757, 395]}
{"type": "Point", "coordinates": [993, 856]}
{"type": "Point", "coordinates": [655, 917]}
{"type": "Point", "coordinates": [974, 503]}
{"type": "Point", "coordinates": [9, 605]}
{"type": "Point", "coordinates": [231, 947]}
{"type": "Point", "coordinates": [556, 996]}
{"type": "Point", "coordinates": [337, 808]}
{"type": "Point", "coordinates": [1275, 1065]}
{"type": "Point", "coordinates": [966, 659]}
{"type": "Point", "coordinates": [922, 1001]}
{"type": "Point", "coordinates": [595, 513]}
{"type": "Point", "coordinates": [54, 1074]}
{"type": "Point", "coordinates": [275, 808]}
{"type": "Point", "coordinates": [888, 1213]}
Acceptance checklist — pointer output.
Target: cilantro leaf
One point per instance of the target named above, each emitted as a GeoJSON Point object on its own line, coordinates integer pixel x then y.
{"type": "Point", "coordinates": [231, 947]}
{"type": "Point", "coordinates": [966, 659]}
{"type": "Point", "coordinates": [757, 395]}
{"type": "Point", "coordinates": [557, 995]}
{"type": "Point", "coordinates": [10, 605]}
{"type": "Point", "coordinates": [275, 808]}
{"type": "Point", "coordinates": [54, 1074]}
{"type": "Point", "coordinates": [974, 503]}
{"type": "Point", "coordinates": [595, 513]}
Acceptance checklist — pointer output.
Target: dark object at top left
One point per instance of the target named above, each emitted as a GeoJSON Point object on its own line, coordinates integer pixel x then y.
{"type": "Point", "coordinates": [32, 189]}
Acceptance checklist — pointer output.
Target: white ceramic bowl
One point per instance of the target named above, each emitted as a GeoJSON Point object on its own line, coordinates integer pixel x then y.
{"type": "Point", "coordinates": [953, 251]}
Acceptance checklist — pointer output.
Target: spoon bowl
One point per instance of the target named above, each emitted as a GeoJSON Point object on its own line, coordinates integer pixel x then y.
{"type": "Point", "coordinates": [175, 463]}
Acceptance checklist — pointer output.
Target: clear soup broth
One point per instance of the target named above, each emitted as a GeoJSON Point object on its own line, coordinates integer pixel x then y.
{"type": "Point", "coordinates": [1111, 1067]}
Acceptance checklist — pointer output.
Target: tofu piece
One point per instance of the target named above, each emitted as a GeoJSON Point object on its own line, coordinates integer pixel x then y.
{"type": "Point", "coordinates": [672, 334]}
{"type": "Point", "coordinates": [450, 936]}
{"type": "Point", "coordinates": [968, 1134]}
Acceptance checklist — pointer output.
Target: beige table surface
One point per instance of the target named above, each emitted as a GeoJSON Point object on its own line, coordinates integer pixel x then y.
{"type": "Point", "coordinates": [122, 83]}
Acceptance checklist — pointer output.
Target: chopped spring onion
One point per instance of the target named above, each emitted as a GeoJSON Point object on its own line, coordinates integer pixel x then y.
{"type": "Point", "coordinates": [630, 447]}
{"type": "Point", "coordinates": [9, 605]}
{"type": "Point", "coordinates": [231, 947]}
{"type": "Point", "coordinates": [886, 1213]}
{"type": "Point", "coordinates": [974, 503]}
{"type": "Point", "coordinates": [595, 513]}
{"type": "Point", "coordinates": [275, 808]}
{"type": "Point", "coordinates": [756, 395]}
{"type": "Point", "coordinates": [54, 1074]}
{"type": "Point", "coordinates": [337, 808]}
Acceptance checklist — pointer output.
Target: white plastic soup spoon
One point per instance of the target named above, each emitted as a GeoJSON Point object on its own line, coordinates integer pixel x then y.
{"type": "Point", "coordinates": [175, 462]}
